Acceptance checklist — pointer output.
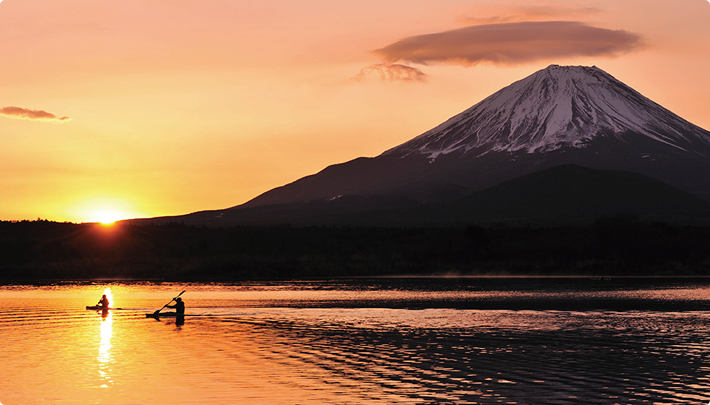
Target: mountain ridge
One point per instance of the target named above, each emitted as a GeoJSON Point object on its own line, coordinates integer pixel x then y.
{"type": "Point", "coordinates": [559, 196]}
{"type": "Point", "coordinates": [535, 123]}
{"type": "Point", "coordinates": [561, 115]}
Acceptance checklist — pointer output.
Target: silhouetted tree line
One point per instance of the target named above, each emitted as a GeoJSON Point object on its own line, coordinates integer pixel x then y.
{"type": "Point", "coordinates": [622, 245]}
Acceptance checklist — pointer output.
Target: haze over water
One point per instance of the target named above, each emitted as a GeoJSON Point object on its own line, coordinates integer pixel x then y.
{"type": "Point", "coordinates": [471, 341]}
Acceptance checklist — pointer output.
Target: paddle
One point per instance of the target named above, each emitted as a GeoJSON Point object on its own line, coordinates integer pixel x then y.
{"type": "Point", "coordinates": [156, 312]}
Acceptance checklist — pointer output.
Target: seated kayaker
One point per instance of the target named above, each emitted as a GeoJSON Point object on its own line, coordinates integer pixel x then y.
{"type": "Point", "coordinates": [103, 302]}
{"type": "Point", "coordinates": [179, 307]}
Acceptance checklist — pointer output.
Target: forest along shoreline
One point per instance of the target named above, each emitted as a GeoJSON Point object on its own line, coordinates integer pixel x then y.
{"type": "Point", "coordinates": [612, 247]}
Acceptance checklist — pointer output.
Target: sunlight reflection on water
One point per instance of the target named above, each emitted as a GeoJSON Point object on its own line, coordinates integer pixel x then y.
{"type": "Point", "coordinates": [335, 342]}
{"type": "Point", "coordinates": [104, 358]}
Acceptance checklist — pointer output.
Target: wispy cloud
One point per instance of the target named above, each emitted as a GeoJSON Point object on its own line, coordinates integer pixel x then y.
{"type": "Point", "coordinates": [511, 44]}
{"type": "Point", "coordinates": [27, 114]}
{"type": "Point", "coordinates": [531, 13]}
{"type": "Point", "coordinates": [392, 72]}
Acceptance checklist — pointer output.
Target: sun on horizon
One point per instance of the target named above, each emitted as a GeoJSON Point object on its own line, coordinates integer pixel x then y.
{"type": "Point", "coordinates": [102, 210]}
{"type": "Point", "coordinates": [107, 217]}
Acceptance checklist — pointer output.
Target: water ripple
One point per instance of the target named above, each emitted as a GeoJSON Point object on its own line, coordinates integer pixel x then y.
{"type": "Point", "coordinates": [227, 352]}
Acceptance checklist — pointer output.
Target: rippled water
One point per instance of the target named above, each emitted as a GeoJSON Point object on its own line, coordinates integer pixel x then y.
{"type": "Point", "coordinates": [464, 341]}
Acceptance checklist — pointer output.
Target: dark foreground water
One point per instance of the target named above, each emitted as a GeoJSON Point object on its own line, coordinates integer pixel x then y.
{"type": "Point", "coordinates": [456, 341]}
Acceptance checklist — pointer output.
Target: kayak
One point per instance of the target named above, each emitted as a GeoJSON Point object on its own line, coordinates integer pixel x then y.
{"type": "Point", "coordinates": [98, 308]}
{"type": "Point", "coordinates": [162, 315]}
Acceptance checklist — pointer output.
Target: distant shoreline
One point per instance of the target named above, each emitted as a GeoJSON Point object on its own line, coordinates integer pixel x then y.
{"type": "Point", "coordinates": [620, 247]}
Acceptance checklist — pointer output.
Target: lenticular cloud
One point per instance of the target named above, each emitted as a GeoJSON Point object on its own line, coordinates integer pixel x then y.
{"type": "Point", "coordinates": [511, 44]}
{"type": "Point", "coordinates": [27, 114]}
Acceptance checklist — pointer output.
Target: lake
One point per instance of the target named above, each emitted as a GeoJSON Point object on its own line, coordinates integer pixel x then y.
{"type": "Point", "coordinates": [368, 341]}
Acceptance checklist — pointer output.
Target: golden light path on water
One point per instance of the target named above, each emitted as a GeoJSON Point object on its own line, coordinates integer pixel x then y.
{"type": "Point", "coordinates": [104, 358]}
{"type": "Point", "coordinates": [339, 344]}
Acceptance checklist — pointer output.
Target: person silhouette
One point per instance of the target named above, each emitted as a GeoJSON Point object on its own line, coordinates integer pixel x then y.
{"type": "Point", "coordinates": [179, 307]}
{"type": "Point", "coordinates": [179, 311]}
{"type": "Point", "coordinates": [103, 303]}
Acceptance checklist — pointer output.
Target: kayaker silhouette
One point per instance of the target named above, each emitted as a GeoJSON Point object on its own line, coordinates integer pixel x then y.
{"type": "Point", "coordinates": [179, 311]}
{"type": "Point", "coordinates": [103, 306]}
{"type": "Point", "coordinates": [103, 303]}
{"type": "Point", "coordinates": [179, 307]}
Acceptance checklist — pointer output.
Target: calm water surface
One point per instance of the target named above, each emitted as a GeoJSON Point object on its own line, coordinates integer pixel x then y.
{"type": "Point", "coordinates": [461, 341]}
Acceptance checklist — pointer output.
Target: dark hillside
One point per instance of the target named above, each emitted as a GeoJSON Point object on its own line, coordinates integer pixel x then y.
{"type": "Point", "coordinates": [615, 246]}
{"type": "Point", "coordinates": [566, 195]}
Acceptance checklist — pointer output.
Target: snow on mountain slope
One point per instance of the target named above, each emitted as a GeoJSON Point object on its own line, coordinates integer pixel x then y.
{"type": "Point", "coordinates": [556, 116]}
{"type": "Point", "coordinates": [560, 106]}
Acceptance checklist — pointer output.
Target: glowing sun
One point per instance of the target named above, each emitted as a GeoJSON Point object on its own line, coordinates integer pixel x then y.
{"type": "Point", "coordinates": [107, 217]}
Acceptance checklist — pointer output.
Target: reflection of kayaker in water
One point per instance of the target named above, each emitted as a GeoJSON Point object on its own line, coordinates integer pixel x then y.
{"type": "Point", "coordinates": [179, 307]}
{"type": "Point", "coordinates": [103, 303]}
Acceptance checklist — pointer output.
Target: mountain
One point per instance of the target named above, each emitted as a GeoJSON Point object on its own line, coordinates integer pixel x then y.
{"type": "Point", "coordinates": [557, 116]}
{"type": "Point", "coordinates": [556, 108]}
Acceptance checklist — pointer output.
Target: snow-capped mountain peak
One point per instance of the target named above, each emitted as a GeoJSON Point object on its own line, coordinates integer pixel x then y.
{"type": "Point", "coordinates": [560, 115]}
{"type": "Point", "coordinates": [557, 107]}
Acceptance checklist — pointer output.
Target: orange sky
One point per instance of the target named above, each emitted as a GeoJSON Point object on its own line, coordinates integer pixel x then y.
{"type": "Point", "coordinates": [165, 107]}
